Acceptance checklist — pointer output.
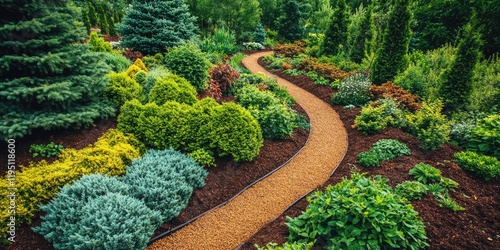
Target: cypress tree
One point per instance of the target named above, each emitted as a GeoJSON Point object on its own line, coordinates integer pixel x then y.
{"type": "Point", "coordinates": [363, 42]}
{"type": "Point", "coordinates": [151, 26]}
{"type": "Point", "coordinates": [92, 15]}
{"type": "Point", "coordinates": [457, 81]}
{"type": "Point", "coordinates": [103, 20]}
{"type": "Point", "coordinates": [289, 27]}
{"type": "Point", "coordinates": [336, 34]}
{"type": "Point", "coordinates": [391, 57]}
{"type": "Point", "coordinates": [48, 78]}
{"type": "Point", "coordinates": [85, 19]}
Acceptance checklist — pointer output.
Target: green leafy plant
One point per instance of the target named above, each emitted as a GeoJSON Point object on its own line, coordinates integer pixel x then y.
{"type": "Point", "coordinates": [48, 150]}
{"type": "Point", "coordinates": [372, 119]}
{"type": "Point", "coordinates": [358, 213]}
{"type": "Point", "coordinates": [383, 150]}
{"type": "Point", "coordinates": [411, 190]}
{"type": "Point", "coordinates": [429, 125]}
{"type": "Point", "coordinates": [486, 136]}
{"type": "Point", "coordinates": [448, 183]}
{"type": "Point", "coordinates": [436, 189]}
{"type": "Point", "coordinates": [286, 246]}
{"type": "Point", "coordinates": [446, 201]}
{"type": "Point", "coordinates": [484, 166]}
{"type": "Point", "coordinates": [425, 173]}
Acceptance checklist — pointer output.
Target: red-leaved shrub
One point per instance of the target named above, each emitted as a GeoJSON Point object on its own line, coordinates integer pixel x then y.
{"type": "Point", "coordinates": [223, 75]}
{"type": "Point", "coordinates": [401, 96]}
{"type": "Point", "coordinates": [326, 70]}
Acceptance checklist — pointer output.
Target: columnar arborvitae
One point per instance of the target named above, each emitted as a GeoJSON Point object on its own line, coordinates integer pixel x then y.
{"type": "Point", "coordinates": [289, 27]}
{"type": "Point", "coordinates": [151, 26]}
{"type": "Point", "coordinates": [457, 81]}
{"type": "Point", "coordinates": [48, 78]}
{"type": "Point", "coordinates": [391, 57]}
{"type": "Point", "coordinates": [92, 15]}
{"type": "Point", "coordinates": [363, 42]}
{"type": "Point", "coordinates": [336, 35]}
{"type": "Point", "coordinates": [103, 19]}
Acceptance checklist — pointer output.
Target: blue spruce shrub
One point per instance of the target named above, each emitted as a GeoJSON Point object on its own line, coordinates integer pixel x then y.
{"type": "Point", "coordinates": [115, 222]}
{"type": "Point", "coordinates": [164, 180]}
{"type": "Point", "coordinates": [64, 212]}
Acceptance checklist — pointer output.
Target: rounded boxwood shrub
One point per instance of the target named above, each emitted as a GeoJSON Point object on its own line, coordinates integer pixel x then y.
{"type": "Point", "coordinates": [164, 180]}
{"type": "Point", "coordinates": [64, 212]}
{"type": "Point", "coordinates": [429, 125]}
{"type": "Point", "coordinates": [276, 121]}
{"type": "Point", "coordinates": [172, 88]}
{"type": "Point", "coordinates": [203, 157]}
{"type": "Point", "coordinates": [123, 88]}
{"type": "Point", "coordinates": [359, 213]}
{"type": "Point", "coordinates": [189, 62]}
{"type": "Point", "coordinates": [235, 132]}
{"type": "Point", "coordinates": [484, 166]}
{"type": "Point", "coordinates": [114, 221]}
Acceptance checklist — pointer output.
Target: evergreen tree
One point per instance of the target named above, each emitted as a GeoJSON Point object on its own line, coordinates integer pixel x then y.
{"type": "Point", "coordinates": [260, 34]}
{"type": "Point", "coordinates": [85, 19]}
{"type": "Point", "coordinates": [289, 27]}
{"type": "Point", "coordinates": [103, 19]}
{"type": "Point", "coordinates": [457, 81]}
{"type": "Point", "coordinates": [98, 44]}
{"type": "Point", "coordinates": [48, 78]}
{"type": "Point", "coordinates": [363, 41]}
{"type": "Point", "coordinates": [151, 26]}
{"type": "Point", "coordinates": [92, 15]}
{"type": "Point", "coordinates": [391, 57]}
{"type": "Point", "coordinates": [336, 35]}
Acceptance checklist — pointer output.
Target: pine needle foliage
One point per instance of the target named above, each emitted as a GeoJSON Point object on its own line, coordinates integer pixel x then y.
{"type": "Point", "coordinates": [48, 78]}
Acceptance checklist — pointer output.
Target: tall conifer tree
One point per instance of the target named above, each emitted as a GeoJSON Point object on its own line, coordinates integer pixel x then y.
{"type": "Point", "coordinates": [151, 26]}
{"type": "Point", "coordinates": [391, 57]}
{"type": "Point", "coordinates": [363, 41]}
{"type": "Point", "coordinates": [457, 81]}
{"type": "Point", "coordinates": [289, 27]}
{"type": "Point", "coordinates": [48, 78]}
{"type": "Point", "coordinates": [336, 35]}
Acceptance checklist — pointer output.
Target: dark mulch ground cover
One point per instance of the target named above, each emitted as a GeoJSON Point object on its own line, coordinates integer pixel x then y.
{"type": "Point", "coordinates": [223, 182]}
{"type": "Point", "coordinates": [478, 227]}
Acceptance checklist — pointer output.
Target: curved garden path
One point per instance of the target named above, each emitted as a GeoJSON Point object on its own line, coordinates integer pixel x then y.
{"type": "Point", "coordinates": [232, 224]}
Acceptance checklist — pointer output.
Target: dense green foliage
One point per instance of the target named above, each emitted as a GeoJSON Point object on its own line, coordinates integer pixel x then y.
{"type": "Point", "coordinates": [382, 150]}
{"type": "Point", "coordinates": [363, 40]}
{"type": "Point", "coordinates": [289, 27]}
{"type": "Point", "coordinates": [485, 138]}
{"type": "Point", "coordinates": [48, 78]}
{"type": "Point", "coordinates": [457, 81]}
{"type": "Point", "coordinates": [353, 90]}
{"type": "Point", "coordinates": [226, 129]}
{"type": "Point", "coordinates": [336, 35]}
{"type": "Point", "coordinates": [484, 166]}
{"type": "Point", "coordinates": [203, 157]}
{"type": "Point", "coordinates": [151, 26]}
{"type": "Point", "coordinates": [172, 88]}
{"type": "Point", "coordinates": [425, 173]}
{"type": "Point", "coordinates": [98, 44]}
{"type": "Point", "coordinates": [357, 213]}
{"type": "Point", "coordinates": [123, 88]}
{"type": "Point", "coordinates": [48, 150]}
{"type": "Point", "coordinates": [40, 182]}
{"type": "Point", "coordinates": [411, 190]}
{"type": "Point", "coordinates": [260, 34]}
{"type": "Point", "coordinates": [391, 56]}
{"type": "Point", "coordinates": [430, 126]}
{"type": "Point", "coordinates": [285, 246]}
{"type": "Point", "coordinates": [372, 119]}
{"type": "Point", "coordinates": [189, 62]}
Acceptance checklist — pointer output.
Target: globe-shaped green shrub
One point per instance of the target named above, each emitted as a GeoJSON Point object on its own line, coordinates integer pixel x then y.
{"type": "Point", "coordinates": [189, 62]}
{"type": "Point", "coordinates": [359, 213]}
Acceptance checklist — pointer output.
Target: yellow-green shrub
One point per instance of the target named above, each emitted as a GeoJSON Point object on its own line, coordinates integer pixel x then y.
{"type": "Point", "coordinates": [123, 88]}
{"type": "Point", "coordinates": [172, 88]}
{"type": "Point", "coordinates": [132, 70]}
{"type": "Point", "coordinates": [138, 62]}
{"type": "Point", "coordinates": [37, 184]}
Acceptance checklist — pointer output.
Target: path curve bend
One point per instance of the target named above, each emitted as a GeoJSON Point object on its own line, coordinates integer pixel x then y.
{"type": "Point", "coordinates": [230, 225]}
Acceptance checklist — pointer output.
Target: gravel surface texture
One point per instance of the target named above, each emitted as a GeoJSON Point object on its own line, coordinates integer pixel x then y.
{"type": "Point", "coordinates": [230, 225]}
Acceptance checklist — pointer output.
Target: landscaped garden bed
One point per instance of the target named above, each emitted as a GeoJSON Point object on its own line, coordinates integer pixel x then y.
{"type": "Point", "coordinates": [476, 227]}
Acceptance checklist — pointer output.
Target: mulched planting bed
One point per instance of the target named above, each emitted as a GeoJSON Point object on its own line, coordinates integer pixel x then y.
{"type": "Point", "coordinates": [478, 227]}
{"type": "Point", "coordinates": [222, 183]}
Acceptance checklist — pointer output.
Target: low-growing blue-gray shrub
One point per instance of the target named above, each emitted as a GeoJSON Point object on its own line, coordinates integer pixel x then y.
{"type": "Point", "coordinates": [114, 222]}
{"type": "Point", "coordinates": [64, 212]}
{"type": "Point", "coordinates": [164, 180]}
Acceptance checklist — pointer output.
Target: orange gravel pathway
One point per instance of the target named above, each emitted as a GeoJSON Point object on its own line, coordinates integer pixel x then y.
{"type": "Point", "coordinates": [232, 224]}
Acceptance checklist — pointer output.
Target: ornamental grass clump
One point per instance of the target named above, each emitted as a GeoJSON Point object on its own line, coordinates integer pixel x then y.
{"type": "Point", "coordinates": [358, 213]}
{"type": "Point", "coordinates": [383, 150]}
{"type": "Point", "coordinates": [354, 90]}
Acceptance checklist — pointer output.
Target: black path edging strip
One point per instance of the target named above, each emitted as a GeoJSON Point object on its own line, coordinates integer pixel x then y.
{"type": "Point", "coordinates": [173, 230]}
{"type": "Point", "coordinates": [312, 190]}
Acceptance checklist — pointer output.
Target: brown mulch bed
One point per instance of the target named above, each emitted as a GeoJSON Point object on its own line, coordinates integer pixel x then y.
{"type": "Point", "coordinates": [222, 183]}
{"type": "Point", "coordinates": [478, 227]}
